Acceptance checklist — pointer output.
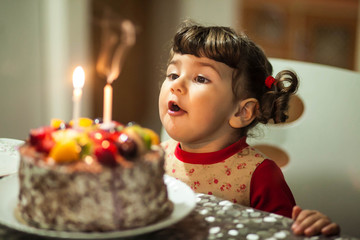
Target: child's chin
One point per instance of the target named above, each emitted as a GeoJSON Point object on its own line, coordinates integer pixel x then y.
{"type": "Point", "coordinates": [177, 136]}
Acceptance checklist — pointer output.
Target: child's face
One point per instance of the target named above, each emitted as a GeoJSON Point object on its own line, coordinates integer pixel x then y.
{"type": "Point", "coordinates": [196, 99]}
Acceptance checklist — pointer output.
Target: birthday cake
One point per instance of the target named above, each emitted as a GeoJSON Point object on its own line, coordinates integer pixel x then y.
{"type": "Point", "coordinates": [91, 179]}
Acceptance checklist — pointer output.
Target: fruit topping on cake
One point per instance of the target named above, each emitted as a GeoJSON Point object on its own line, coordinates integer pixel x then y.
{"type": "Point", "coordinates": [61, 143]}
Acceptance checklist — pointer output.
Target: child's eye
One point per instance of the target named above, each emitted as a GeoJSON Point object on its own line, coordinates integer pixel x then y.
{"type": "Point", "coordinates": [172, 76]}
{"type": "Point", "coordinates": [200, 79]}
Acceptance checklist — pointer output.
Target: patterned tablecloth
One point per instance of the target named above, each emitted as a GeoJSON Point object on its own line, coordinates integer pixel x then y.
{"type": "Point", "coordinates": [213, 218]}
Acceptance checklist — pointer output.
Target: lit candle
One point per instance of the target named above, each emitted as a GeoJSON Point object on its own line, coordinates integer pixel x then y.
{"type": "Point", "coordinates": [78, 83]}
{"type": "Point", "coordinates": [108, 95]}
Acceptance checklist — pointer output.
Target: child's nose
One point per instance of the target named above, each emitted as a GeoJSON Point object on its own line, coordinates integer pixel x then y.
{"type": "Point", "coordinates": [178, 86]}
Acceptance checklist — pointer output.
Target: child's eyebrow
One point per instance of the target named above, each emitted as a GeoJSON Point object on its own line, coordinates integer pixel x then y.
{"type": "Point", "coordinates": [173, 62]}
{"type": "Point", "coordinates": [205, 64]}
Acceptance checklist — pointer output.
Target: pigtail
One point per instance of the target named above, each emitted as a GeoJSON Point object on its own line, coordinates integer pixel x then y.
{"type": "Point", "coordinates": [274, 103]}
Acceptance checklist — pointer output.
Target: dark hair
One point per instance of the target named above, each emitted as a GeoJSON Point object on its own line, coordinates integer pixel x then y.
{"type": "Point", "coordinates": [250, 64]}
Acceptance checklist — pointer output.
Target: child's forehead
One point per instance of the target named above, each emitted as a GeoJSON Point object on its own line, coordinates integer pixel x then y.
{"type": "Point", "coordinates": [178, 59]}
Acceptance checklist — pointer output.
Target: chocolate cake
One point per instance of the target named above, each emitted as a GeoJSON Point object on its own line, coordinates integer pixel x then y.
{"type": "Point", "coordinates": [90, 179]}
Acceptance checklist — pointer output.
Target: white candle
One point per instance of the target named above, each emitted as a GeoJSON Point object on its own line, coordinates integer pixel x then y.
{"type": "Point", "coordinates": [78, 83]}
{"type": "Point", "coordinates": [108, 95]}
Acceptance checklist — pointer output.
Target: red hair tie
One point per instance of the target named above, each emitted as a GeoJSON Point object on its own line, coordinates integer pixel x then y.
{"type": "Point", "coordinates": [269, 81]}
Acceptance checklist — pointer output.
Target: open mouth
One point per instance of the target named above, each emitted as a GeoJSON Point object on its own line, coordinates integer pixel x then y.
{"type": "Point", "coordinates": [174, 107]}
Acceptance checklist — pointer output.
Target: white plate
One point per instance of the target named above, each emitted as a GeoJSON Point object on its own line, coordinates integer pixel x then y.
{"type": "Point", "coordinates": [9, 156]}
{"type": "Point", "coordinates": [179, 193]}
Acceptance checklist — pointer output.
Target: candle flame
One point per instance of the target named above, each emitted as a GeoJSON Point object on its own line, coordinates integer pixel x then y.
{"type": "Point", "coordinates": [78, 77]}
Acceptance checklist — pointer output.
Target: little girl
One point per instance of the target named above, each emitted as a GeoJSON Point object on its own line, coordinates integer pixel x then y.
{"type": "Point", "coordinates": [218, 86]}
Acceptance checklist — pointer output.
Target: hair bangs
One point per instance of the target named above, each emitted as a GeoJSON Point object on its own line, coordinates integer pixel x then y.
{"type": "Point", "coordinates": [208, 42]}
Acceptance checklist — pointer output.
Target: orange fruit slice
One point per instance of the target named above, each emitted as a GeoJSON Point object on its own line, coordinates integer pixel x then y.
{"type": "Point", "coordinates": [65, 151]}
{"type": "Point", "coordinates": [56, 122]}
{"type": "Point", "coordinates": [83, 122]}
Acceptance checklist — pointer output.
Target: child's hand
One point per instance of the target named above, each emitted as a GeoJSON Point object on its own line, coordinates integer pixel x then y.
{"type": "Point", "coordinates": [311, 222]}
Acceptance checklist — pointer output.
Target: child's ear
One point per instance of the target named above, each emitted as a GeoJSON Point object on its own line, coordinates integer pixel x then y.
{"type": "Point", "coordinates": [244, 114]}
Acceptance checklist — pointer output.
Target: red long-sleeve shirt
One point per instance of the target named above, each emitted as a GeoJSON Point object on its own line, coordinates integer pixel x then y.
{"type": "Point", "coordinates": [269, 191]}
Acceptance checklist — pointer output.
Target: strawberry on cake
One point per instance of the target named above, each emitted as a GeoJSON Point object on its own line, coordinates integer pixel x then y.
{"type": "Point", "coordinates": [91, 179]}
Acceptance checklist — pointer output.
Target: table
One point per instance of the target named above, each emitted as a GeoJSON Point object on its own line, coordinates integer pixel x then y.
{"type": "Point", "coordinates": [213, 218]}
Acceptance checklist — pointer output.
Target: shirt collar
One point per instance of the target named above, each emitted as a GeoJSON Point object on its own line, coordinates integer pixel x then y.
{"type": "Point", "coordinates": [210, 157]}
